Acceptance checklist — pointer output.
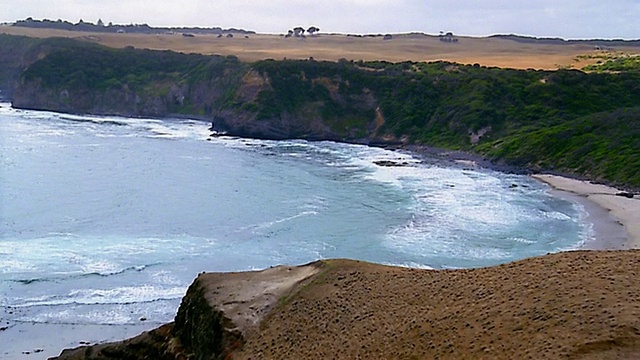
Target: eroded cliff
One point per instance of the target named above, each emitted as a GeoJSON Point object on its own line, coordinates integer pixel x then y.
{"type": "Point", "coordinates": [217, 314]}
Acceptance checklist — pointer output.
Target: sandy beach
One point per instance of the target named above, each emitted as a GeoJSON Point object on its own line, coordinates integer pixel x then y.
{"type": "Point", "coordinates": [622, 210]}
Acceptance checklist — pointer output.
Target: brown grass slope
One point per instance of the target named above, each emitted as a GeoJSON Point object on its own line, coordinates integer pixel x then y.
{"type": "Point", "coordinates": [576, 305]}
{"type": "Point", "coordinates": [500, 52]}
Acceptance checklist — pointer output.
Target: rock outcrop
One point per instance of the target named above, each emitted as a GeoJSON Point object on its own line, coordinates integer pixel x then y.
{"type": "Point", "coordinates": [575, 305]}
{"type": "Point", "coordinates": [217, 314]}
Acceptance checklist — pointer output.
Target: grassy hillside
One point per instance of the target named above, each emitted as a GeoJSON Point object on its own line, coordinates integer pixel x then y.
{"type": "Point", "coordinates": [572, 305]}
{"type": "Point", "coordinates": [584, 124]}
{"type": "Point", "coordinates": [566, 120]}
{"type": "Point", "coordinates": [600, 146]}
{"type": "Point", "coordinates": [505, 51]}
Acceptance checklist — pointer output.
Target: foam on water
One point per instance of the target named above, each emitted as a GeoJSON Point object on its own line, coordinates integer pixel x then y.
{"type": "Point", "coordinates": [109, 219]}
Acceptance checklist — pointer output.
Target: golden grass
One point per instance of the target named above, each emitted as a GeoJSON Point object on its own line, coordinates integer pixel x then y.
{"type": "Point", "coordinates": [484, 51]}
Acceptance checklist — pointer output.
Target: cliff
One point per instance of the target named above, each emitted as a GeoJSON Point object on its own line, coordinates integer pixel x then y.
{"type": "Point", "coordinates": [575, 305]}
{"type": "Point", "coordinates": [540, 120]}
{"type": "Point", "coordinates": [217, 314]}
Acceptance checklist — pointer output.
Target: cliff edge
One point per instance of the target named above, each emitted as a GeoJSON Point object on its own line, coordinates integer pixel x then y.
{"type": "Point", "coordinates": [574, 305]}
{"type": "Point", "coordinates": [217, 314]}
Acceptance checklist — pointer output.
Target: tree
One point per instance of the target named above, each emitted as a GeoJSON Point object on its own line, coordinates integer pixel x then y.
{"type": "Point", "coordinates": [312, 30]}
{"type": "Point", "coordinates": [100, 23]}
{"type": "Point", "coordinates": [298, 31]}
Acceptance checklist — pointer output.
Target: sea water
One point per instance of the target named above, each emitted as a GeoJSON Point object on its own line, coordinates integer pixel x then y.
{"type": "Point", "coordinates": [107, 220]}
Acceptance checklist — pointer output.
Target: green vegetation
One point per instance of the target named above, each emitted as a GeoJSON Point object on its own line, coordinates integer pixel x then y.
{"type": "Point", "coordinates": [94, 67]}
{"type": "Point", "coordinates": [566, 120]}
{"type": "Point", "coordinates": [440, 104]}
{"type": "Point", "coordinates": [602, 146]}
{"type": "Point", "coordinates": [613, 62]}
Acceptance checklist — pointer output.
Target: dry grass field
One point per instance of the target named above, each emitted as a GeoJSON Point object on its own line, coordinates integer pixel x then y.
{"type": "Point", "coordinates": [414, 47]}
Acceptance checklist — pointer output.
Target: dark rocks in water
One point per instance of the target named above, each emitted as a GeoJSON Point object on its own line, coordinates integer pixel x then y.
{"type": "Point", "coordinates": [625, 194]}
{"type": "Point", "coordinates": [513, 186]}
{"type": "Point", "coordinates": [389, 163]}
{"type": "Point", "coordinates": [218, 119]}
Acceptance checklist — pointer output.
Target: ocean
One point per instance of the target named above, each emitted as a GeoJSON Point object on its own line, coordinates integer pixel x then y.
{"type": "Point", "coordinates": [107, 220]}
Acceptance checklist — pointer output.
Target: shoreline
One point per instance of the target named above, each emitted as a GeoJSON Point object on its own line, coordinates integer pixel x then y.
{"type": "Point", "coordinates": [613, 231]}
{"type": "Point", "coordinates": [614, 218]}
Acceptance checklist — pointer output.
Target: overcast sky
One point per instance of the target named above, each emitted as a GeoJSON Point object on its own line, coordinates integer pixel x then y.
{"type": "Point", "coordinates": [548, 18]}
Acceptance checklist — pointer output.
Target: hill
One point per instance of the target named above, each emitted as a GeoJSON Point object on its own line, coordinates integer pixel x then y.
{"type": "Point", "coordinates": [515, 117]}
{"type": "Point", "coordinates": [572, 305]}
{"type": "Point", "coordinates": [505, 52]}
{"type": "Point", "coordinates": [116, 28]}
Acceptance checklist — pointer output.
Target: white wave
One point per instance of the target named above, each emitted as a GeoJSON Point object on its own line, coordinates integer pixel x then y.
{"type": "Point", "coordinates": [269, 224]}
{"type": "Point", "coordinates": [13, 266]}
{"type": "Point", "coordinates": [72, 316]}
{"type": "Point", "coordinates": [64, 255]}
{"type": "Point", "coordinates": [60, 124]}
{"type": "Point", "coordinates": [165, 277]}
{"type": "Point", "coordinates": [100, 266]}
{"type": "Point", "coordinates": [157, 312]}
{"type": "Point", "coordinates": [411, 265]}
{"type": "Point", "coordinates": [118, 295]}
{"type": "Point", "coordinates": [523, 240]}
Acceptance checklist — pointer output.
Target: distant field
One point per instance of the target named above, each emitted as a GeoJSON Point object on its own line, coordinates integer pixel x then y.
{"type": "Point", "coordinates": [415, 47]}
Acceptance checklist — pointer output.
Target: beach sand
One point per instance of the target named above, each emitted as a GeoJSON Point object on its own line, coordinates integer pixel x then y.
{"type": "Point", "coordinates": [623, 210]}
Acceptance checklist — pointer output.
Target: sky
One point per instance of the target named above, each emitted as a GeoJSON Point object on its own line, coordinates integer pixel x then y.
{"type": "Point", "coordinates": [569, 19]}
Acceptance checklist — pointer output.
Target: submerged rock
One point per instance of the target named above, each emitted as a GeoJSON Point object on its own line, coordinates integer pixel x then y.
{"type": "Point", "coordinates": [389, 163]}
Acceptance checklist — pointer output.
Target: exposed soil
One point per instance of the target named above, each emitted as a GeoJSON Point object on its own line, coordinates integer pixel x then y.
{"type": "Point", "coordinates": [576, 305]}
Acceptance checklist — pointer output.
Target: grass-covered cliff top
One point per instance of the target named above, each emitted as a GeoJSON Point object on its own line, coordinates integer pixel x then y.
{"type": "Point", "coordinates": [585, 124]}
{"type": "Point", "coordinates": [573, 305]}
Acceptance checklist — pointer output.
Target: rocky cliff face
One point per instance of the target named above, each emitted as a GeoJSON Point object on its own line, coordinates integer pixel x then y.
{"type": "Point", "coordinates": [270, 100]}
{"type": "Point", "coordinates": [15, 56]}
{"type": "Point", "coordinates": [122, 102]}
{"type": "Point", "coordinates": [233, 101]}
